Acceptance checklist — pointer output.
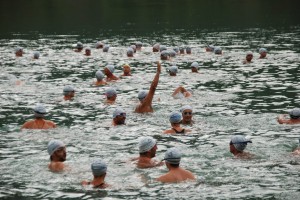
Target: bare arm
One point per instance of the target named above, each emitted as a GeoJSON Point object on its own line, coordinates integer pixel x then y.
{"type": "Point", "coordinates": [281, 119]}
{"type": "Point", "coordinates": [180, 89]}
{"type": "Point", "coordinates": [149, 97]}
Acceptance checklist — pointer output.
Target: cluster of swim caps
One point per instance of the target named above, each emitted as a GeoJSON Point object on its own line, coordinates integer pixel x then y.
{"type": "Point", "coordinates": [54, 145]}
{"type": "Point", "coordinates": [146, 143]}
{"type": "Point", "coordinates": [240, 142]}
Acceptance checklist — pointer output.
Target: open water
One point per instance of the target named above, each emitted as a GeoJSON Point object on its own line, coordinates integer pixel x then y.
{"type": "Point", "coordinates": [228, 98]}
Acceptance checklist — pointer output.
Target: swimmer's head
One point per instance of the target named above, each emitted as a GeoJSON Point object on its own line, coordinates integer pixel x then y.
{"type": "Point", "coordinates": [146, 144]}
{"type": "Point", "coordinates": [110, 92]}
{"type": "Point", "coordinates": [176, 49]}
{"type": "Point", "coordinates": [164, 55]}
{"type": "Point", "coordinates": [172, 156]}
{"type": "Point", "coordinates": [39, 111]}
{"type": "Point", "coordinates": [239, 142]}
{"type": "Point", "coordinates": [119, 112]}
{"type": "Point", "coordinates": [130, 52]}
{"type": "Point", "coordinates": [142, 95]}
{"type": "Point", "coordinates": [99, 45]}
{"type": "Point", "coordinates": [133, 47]}
{"type": "Point", "coordinates": [126, 69]}
{"type": "Point", "coordinates": [173, 70]}
{"type": "Point", "coordinates": [295, 113]}
{"type": "Point", "coordinates": [210, 48]}
{"type": "Point", "coordinates": [36, 55]}
{"type": "Point", "coordinates": [195, 65]}
{"type": "Point", "coordinates": [138, 45]}
{"type": "Point", "coordinates": [106, 48]}
{"type": "Point", "coordinates": [156, 47]}
{"type": "Point", "coordinates": [88, 51]}
{"type": "Point", "coordinates": [99, 75]}
{"type": "Point", "coordinates": [186, 107]}
{"type": "Point", "coordinates": [262, 50]}
{"type": "Point", "coordinates": [19, 51]}
{"type": "Point", "coordinates": [111, 68]}
{"type": "Point", "coordinates": [218, 50]}
{"type": "Point", "coordinates": [188, 50]}
{"type": "Point", "coordinates": [54, 145]}
{"type": "Point", "coordinates": [175, 117]}
{"type": "Point", "coordinates": [99, 168]}
{"type": "Point", "coordinates": [79, 45]}
{"type": "Point", "coordinates": [181, 50]}
{"type": "Point", "coordinates": [172, 53]}
{"type": "Point", "coordinates": [68, 90]}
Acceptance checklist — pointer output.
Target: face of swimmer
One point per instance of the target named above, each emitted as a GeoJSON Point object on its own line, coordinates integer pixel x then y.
{"type": "Point", "coordinates": [60, 154]}
{"type": "Point", "coordinates": [120, 119]}
{"type": "Point", "coordinates": [187, 115]}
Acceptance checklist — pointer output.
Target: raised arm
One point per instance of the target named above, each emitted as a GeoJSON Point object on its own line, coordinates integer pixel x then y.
{"type": "Point", "coordinates": [149, 97]}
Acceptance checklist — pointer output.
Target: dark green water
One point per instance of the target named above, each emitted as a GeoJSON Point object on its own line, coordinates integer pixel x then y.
{"type": "Point", "coordinates": [228, 97]}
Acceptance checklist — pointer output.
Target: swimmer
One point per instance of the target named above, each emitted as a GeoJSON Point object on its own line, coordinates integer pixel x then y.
{"type": "Point", "coordinates": [209, 48]}
{"type": "Point", "coordinates": [249, 57]}
{"type": "Point", "coordinates": [119, 117]}
{"type": "Point", "coordinates": [99, 169]}
{"type": "Point", "coordinates": [99, 45]}
{"type": "Point", "coordinates": [147, 150]}
{"type": "Point", "coordinates": [87, 51]}
{"type": "Point", "coordinates": [218, 51]}
{"type": "Point", "coordinates": [100, 77]}
{"type": "Point", "coordinates": [130, 52]}
{"type": "Point", "coordinates": [111, 95]}
{"type": "Point", "coordinates": [164, 55]}
{"type": "Point", "coordinates": [173, 70]}
{"type": "Point", "coordinates": [176, 173]}
{"type": "Point", "coordinates": [39, 122]}
{"type": "Point", "coordinates": [176, 49]}
{"type": "Point", "coordinates": [126, 70]}
{"type": "Point", "coordinates": [156, 47]}
{"type": "Point", "coordinates": [263, 53]}
{"type": "Point", "coordinates": [133, 47]}
{"type": "Point", "coordinates": [78, 47]}
{"type": "Point", "coordinates": [187, 115]}
{"type": "Point", "coordinates": [181, 50]}
{"type": "Point", "coordinates": [181, 92]}
{"type": "Point", "coordinates": [19, 52]}
{"type": "Point", "coordinates": [188, 50]}
{"type": "Point", "coordinates": [108, 71]}
{"type": "Point", "coordinates": [194, 67]}
{"type": "Point", "coordinates": [58, 154]}
{"type": "Point", "coordinates": [36, 55]}
{"type": "Point", "coordinates": [147, 97]}
{"type": "Point", "coordinates": [294, 117]}
{"type": "Point", "coordinates": [237, 145]}
{"type": "Point", "coordinates": [68, 92]}
{"type": "Point", "coordinates": [175, 120]}
{"type": "Point", "coordinates": [106, 48]}
{"type": "Point", "coordinates": [139, 46]}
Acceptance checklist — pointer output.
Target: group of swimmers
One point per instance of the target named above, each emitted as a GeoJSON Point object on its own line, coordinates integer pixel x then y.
{"type": "Point", "coordinates": [147, 145]}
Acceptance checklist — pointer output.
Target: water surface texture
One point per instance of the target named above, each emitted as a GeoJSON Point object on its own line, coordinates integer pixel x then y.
{"type": "Point", "coordinates": [228, 97]}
